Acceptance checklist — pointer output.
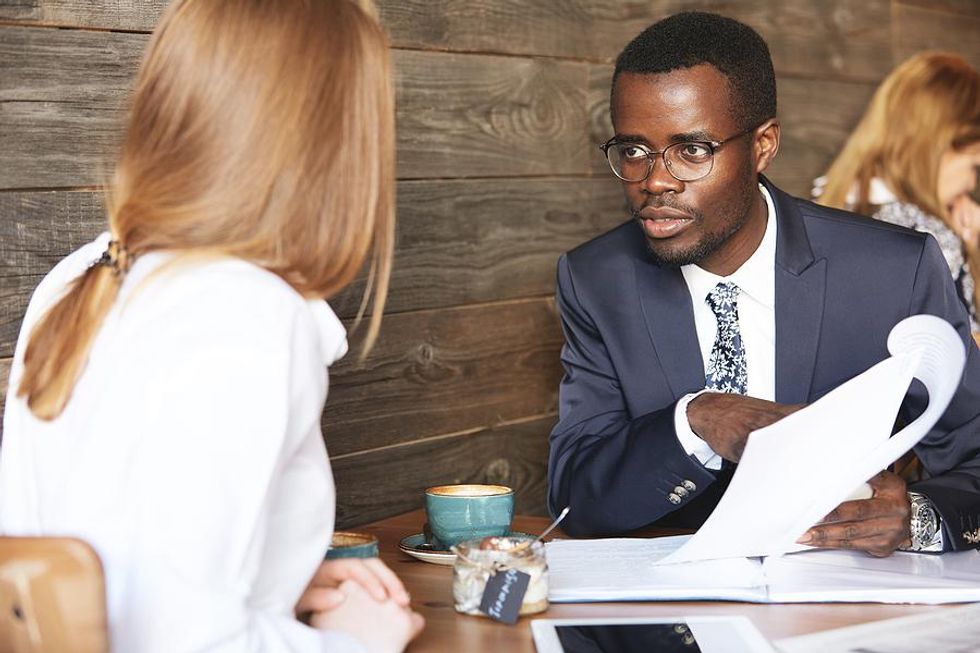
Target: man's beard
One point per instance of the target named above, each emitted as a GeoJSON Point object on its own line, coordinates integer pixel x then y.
{"type": "Point", "coordinates": [666, 256]}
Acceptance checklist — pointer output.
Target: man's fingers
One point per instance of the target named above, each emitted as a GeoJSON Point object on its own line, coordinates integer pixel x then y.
{"type": "Point", "coordinates": [864, 509]}
{"type": "Point", "coordinates": [878, 536]}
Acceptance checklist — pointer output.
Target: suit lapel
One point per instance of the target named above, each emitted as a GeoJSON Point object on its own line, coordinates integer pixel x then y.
{"type": "Point", "coordinates": [669, 317]}
{"type": "Point", "coordinates": [800, 287]}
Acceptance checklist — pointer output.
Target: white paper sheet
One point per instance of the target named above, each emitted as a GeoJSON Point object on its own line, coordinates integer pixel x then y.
{"type": "Point", "coordinates": [955, 629]}
{"type": "Point", "coordinates": [795, 471]}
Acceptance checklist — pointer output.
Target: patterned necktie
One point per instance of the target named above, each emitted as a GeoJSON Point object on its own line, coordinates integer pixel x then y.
{"type": "Point", "coordinates": [726, 367]}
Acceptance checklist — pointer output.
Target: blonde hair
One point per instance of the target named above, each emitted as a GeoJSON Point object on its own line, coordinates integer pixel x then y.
{"type": "Point", "coordinates": [258, 129]}
{"type": "Point", "coordinates": [925, 107]}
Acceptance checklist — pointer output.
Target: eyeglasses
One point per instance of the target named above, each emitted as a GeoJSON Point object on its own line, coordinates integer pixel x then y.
{"type": "Point", "coordinates": [685, 161]}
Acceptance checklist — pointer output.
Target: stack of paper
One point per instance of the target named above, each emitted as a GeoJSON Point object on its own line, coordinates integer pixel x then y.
{"type": "Point", "coordinates": [621, 570]}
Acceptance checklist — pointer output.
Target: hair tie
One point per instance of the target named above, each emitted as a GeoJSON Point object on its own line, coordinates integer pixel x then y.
{"type": "Point", "coordinates": [116, 257]}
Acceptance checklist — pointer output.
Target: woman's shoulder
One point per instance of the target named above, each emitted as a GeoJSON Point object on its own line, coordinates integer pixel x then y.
{"type": "Point", "coordinates": [228, 300]}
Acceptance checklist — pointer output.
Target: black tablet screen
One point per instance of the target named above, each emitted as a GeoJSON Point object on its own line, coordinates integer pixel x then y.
{"type": "Point", "coordinates": [628, 638]}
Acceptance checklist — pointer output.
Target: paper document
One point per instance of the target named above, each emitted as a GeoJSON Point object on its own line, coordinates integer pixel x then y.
{"type": "Point", "coordinates": [954, 629]}
{"type": "Point", "coordinates": [838, 443]}
{"type": "Point", "coordinates": [621, 570]}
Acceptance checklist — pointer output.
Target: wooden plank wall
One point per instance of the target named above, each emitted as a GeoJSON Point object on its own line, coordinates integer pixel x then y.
{"type": "Point", "coordinates": [500, 105]}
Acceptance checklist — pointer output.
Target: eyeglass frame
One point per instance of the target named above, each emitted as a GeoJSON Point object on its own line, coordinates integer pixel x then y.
{"type": "Point", "coordinates": [652, 155]}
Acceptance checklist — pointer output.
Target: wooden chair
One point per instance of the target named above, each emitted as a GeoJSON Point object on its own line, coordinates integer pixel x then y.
{"type": "Point", "coordinates": [52, 597]}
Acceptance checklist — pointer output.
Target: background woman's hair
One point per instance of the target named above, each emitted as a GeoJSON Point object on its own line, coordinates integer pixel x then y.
{"type": "Point", "coordinates": [926, 106]}
{"type": "Point", "coordinates": [260, 130]}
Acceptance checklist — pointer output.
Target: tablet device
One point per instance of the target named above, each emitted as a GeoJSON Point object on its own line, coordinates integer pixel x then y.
{"type": "Point", "coordinates": [684, 634]}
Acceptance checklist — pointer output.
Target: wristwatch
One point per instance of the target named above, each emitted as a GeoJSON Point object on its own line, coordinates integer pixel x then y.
{"type": "Point", "coordinates": [926, 534]}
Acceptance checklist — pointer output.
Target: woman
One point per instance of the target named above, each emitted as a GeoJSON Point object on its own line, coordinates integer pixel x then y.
{"type": "Point", "coordinates": [912, 161]}
{"type": "Point", "coordinates": [169, 378]}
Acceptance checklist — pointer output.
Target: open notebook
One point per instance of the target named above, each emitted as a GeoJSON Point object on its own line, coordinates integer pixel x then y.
{"type": "Point", "coordinates": [622, 569]}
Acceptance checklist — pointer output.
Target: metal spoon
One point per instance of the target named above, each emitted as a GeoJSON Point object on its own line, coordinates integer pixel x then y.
{"type": "Point", "coordinates": [554, 524]}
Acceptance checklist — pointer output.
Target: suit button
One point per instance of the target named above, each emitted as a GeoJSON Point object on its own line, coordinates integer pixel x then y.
{"type": "Point", "coordinates": [689, 486]}
{"type": "Point", "coordinates": [673, 498]}
{"type": "Point", "coordinates": [679, 491]}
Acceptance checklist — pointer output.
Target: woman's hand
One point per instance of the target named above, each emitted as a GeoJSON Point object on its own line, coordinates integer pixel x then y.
{"type": "Point", "coordinates": [324, 594]}
{"type": "Point", "coordinates": [381, 626]}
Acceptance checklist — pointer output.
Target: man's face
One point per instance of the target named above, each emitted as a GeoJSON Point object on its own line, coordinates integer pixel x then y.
{"type": "Point", "coordinates": [716, 221]}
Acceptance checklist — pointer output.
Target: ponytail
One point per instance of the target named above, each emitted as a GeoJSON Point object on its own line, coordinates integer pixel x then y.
{"type": "Point", "coordinates": [60, 342]}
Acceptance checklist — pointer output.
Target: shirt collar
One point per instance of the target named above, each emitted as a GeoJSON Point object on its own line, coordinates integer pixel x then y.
{"type": "Point", "coordinates": [755, 277]}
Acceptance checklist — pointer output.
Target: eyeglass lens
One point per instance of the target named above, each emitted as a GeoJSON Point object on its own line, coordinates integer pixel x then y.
{"type": "Point", "coordinates": [685, 161]}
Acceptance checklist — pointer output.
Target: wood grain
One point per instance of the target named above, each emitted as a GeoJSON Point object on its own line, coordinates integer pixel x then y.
{"type": "Point", "coordinates": [471, 241]}
{"type": "Point", "coordinates": [36, 231]}
{"type": "Point", "coordinates": [917, 28]}
{"type": "Point", "coordinates": [63, 91]}
{"type": "Point", "coordinates": [816, 117]}
{"type": "Point", "coordinates": [61, 95]}
{"type": "Point", "coordinates": [382, 483]}
{"type": "Point", "coordinates": [4, 380]}
{"type": "Point", "coordinates": [139, 15]}
{"type": "Point", "coordinates": [964, 7]}
{"type": "Point", "coordinates": [474, 115]}
{"type": "Point", "coordinates": [445, 371]}
{"type": "Point", "coordinates": [834, 38]}
{"type": "Point", "coordinates": [459, 241]}
{"type": "Point", "coordinates": [838, 38]}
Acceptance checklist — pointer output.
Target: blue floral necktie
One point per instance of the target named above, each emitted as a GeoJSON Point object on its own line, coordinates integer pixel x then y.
{"type": "Point", "coordinates": [726, 368]}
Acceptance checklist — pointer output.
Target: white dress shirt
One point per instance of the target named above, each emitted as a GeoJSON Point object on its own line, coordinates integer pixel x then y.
{"type": "Point", "coordinates": [189, 456]}
{"type": "Point", "coordinates": [756, 281]}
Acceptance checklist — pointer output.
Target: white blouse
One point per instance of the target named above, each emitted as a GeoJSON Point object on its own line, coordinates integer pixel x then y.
{"type": "Point", "coordinates": [189, 456]}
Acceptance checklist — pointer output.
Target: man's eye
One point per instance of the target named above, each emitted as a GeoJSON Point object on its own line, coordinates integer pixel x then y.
{"type": "Point", "coordinates": [633, 152]}
{"type": "Point", "coordinates": [695, 151]}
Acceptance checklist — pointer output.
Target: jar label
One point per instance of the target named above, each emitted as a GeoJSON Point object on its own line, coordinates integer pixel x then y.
{"type": "Point", "coordinates": [504, 594]}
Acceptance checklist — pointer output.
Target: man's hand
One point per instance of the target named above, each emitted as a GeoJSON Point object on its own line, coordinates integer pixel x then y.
{"type": "Point", "coordinates": [724, 421]}
{"type": "Point", "coordinates": [878, 525]}
{"type": "Point", "coordinates": [323, 593]}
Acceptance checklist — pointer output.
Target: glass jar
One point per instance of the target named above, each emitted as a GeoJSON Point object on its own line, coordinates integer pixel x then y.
{"type": "Point", "coordinates": [476, 560]}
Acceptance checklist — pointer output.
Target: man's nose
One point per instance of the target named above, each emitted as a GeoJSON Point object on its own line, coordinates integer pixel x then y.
{"type": "Point", "coordinates": [660, 180]}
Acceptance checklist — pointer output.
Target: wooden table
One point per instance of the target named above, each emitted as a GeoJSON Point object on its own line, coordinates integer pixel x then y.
{"type": "Point", "coordinates": [431, 589]}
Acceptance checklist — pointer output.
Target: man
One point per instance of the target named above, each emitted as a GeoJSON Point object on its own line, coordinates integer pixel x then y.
{"type": "Point", "coordinates": [722, 281]}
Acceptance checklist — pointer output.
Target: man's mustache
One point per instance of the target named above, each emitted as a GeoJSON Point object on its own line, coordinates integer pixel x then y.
{"type": "Point", "coordinates": [663, 202]}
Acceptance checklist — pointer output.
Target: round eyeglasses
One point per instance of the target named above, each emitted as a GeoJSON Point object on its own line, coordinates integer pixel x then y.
{"type": "Point", "coordinates": [685, 161]}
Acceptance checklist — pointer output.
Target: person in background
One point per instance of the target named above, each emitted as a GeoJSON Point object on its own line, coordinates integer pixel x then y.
{"type": "Point", "coordinates": [169, 378]}
{"type": "Point", "coordinates": [912, 161]}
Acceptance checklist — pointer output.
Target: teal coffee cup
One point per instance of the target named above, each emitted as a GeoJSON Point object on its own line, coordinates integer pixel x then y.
{"type": "Point", "coordinates": [352, 545]}
{"type": "Point", "coordinates": [466, 512]}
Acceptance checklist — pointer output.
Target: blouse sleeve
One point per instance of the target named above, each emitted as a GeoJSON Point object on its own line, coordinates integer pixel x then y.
{"type": "Point", "coordinates": [230, 398]}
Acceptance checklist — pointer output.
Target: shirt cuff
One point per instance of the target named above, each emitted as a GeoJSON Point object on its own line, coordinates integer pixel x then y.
{"type": "Point", "coordinates": [691, 443]}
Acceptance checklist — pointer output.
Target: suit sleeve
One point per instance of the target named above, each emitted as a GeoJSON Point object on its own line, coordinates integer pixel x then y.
{"type": "Point", "coordinates": [950, 452]}
{"type": "Point", "coordinates": [616, 472]}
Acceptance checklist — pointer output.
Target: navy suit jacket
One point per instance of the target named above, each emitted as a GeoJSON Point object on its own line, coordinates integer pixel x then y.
{"type": "Point", "coordinates": [631, 351]}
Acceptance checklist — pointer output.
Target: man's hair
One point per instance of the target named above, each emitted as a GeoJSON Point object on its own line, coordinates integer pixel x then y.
{"type": "Point", "coordinates": [693, 38]}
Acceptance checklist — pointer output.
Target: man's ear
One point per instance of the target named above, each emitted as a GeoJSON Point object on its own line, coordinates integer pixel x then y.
{"type": "Point", "coordinates": [766, 144]}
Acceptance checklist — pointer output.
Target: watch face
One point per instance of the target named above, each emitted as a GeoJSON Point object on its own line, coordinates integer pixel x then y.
{"type": "Point", "coordinates": [924, 524]}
